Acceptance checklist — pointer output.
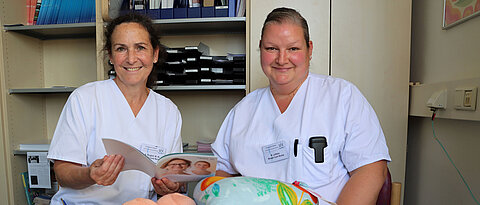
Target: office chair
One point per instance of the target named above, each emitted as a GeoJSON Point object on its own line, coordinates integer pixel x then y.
{"type": "Point", "coordinates": [390, 193]}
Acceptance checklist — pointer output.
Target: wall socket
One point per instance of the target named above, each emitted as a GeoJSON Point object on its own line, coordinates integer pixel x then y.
{"type": "Point", "coordinates": [466, 98]}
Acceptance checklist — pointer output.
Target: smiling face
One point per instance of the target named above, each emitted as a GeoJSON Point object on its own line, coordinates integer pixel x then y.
{"type": "Point", "coordinates": [177, 166]}
{"type": "Point", "coordinates": [132, 54]}
{"type": "Point", "coordinates": [284, 54]}
{"type": "Point", "coordinates": [202, 165]}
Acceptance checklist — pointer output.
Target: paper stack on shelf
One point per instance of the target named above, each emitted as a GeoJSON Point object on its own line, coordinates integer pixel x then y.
{"type": "Point", "coordinates": [203, 146]}
{"type": "Point", "coordinates": [41, 200]}
{"type": "Point", "coordinates": [182, 65]}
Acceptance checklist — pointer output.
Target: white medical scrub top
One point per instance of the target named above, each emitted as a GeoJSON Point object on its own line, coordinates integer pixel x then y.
{"type": "Point", "coordinates": [323, 106]}
{"type": "Point", "coordinates": [99, 110]}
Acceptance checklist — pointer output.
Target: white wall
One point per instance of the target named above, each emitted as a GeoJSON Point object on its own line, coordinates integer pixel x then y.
{"type": "Point", "coordinates": [443, 55]}
{"type": "Point", "coordinates": [439, 56]}
{"type": "Point", "coordinates": [371, 48]}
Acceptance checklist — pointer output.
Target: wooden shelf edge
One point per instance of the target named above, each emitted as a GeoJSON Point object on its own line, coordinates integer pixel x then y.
{"type": "Point", "coordinates": [41, 90]}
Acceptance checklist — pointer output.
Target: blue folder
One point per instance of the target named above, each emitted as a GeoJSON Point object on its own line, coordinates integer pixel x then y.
{"type": "Point", "coordinates": [179, 13]}
{"type": "Point", "coordinates": [194, 12]}
{"type": "Point", "coordinates": [166, 13]}
{"type": "Point", "coordinates": [221, 11]}
{"type": "Point", "coordinates": [208, 12]}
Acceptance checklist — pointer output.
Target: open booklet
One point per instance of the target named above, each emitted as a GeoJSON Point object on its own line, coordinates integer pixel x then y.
{"type": "Point", "coordinates": [179, 167]}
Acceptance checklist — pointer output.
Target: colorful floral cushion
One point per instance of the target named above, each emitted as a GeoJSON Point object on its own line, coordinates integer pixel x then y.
{"type": "Point", "coordinates": [249, 190]}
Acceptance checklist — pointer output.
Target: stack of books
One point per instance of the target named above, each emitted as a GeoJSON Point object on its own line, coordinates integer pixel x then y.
{"type": "Point", "coordinates": [41, 12]}
{"type": "Point", "coordinates": [203, 146]}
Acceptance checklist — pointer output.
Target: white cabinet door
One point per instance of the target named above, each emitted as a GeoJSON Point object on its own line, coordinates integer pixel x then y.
{"type": "Point", "coordinates": [317, 14]}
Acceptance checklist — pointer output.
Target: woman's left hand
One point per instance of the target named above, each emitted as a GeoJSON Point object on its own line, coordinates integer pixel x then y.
{"type": "Point", "coordinates": [164, 186]}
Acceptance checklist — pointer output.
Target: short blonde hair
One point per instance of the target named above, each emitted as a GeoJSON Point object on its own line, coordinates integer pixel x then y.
{"type": "Point", "coordinates": [287, 15]}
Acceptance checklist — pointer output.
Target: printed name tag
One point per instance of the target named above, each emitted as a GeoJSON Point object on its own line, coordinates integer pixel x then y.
{"type": "Point", "coordinates": [275, 152]}
{"type": "Point", "coordinates": [153, 152]}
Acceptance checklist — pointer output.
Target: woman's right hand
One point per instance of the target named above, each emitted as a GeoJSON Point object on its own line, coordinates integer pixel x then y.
{"type": "Point", "coordinates": [102, 171]}
{"type": "Point", "coordinates": [164, 186]}
{"type": "Point", "coordinates": [105, 171]}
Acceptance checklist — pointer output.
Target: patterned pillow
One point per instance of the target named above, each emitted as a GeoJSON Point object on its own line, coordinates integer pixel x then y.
{"type": "Point", "coordinates": [250, 190]}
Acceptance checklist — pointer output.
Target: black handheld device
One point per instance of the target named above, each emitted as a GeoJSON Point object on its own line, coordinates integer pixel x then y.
{"type": "Point", "coordinates": [318, 144]}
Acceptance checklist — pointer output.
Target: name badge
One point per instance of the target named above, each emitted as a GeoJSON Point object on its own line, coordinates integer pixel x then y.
{"type": "Point", "coordinates": [153, 152]}
{"type": "Point", "coordinates": [275, 152]}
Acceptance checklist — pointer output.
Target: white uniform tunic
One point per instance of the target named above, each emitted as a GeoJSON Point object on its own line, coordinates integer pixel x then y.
{"type": "Point", "coordinates": [323, 106]}
{"type": "Point", "coordinates": [99, 110]}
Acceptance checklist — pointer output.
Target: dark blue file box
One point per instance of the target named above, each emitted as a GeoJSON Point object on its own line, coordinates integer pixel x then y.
{"type": "Point", "coordinates": [153, 13]}
{"type": "Point", "coordinates": [140, 11]}
{"type": "Point", "coordinates": [179, 13]}
{"type": "Point", "coordinates": [221, 11]}
{"type": "Point", "coordinates": [166, 13]}
{"type": "Point", "coordinates": [124, 11]}
{"type": "Point", "coordinates": [208, 12]}
{"type": "Point", "coordinates": [195, 12]}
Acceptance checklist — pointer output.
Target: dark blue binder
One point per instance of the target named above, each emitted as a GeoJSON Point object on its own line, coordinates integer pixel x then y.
{"type": "Point", "coordinates": [208, 12]}
{"type": "Point", "coordinates": [180, 9]}
{"type": "Point", "coordinates": [194, 12]}
{"type": "Point", "coordinates": [179, 13]}
{"type": "Point", "coordinates": [154, 13]}
{"type": "Point", "coordinates": [221, 11]}
{"type": "Point", "coordinates": [166, 13]}
{"type": "Point", "coordinates": [139, 6]}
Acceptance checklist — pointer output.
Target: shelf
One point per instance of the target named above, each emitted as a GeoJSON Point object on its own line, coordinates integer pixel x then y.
{"type": "Point", "coordinates": [159, 88]}
{"type": "Point", "coordinates": [41, 90]}
{"type": "Point", "coordinates": [192, 26]}
{"type": "Point", "coordinates": [55, 31]}
{"type": "Point", "coordinates": [195, 26]}
{"type": "Point", "coordinates": [199, 87]}
{"type": "Point", "coordinates": [24, 148]}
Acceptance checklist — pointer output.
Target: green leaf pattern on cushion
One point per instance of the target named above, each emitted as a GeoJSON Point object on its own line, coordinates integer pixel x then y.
{"type": "Point", "coordinates": [286, 195]}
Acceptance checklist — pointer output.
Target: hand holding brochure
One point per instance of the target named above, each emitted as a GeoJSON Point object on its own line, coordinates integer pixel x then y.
{"type": "Point", "coordinates": [179, 167]}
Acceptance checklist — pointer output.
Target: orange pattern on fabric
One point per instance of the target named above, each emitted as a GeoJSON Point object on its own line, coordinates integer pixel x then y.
{"type": "Point", "coordinates": [208, 181]}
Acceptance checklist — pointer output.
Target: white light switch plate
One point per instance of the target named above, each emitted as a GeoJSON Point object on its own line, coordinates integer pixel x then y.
{"type": "Point", "coordinates": [466, 98]}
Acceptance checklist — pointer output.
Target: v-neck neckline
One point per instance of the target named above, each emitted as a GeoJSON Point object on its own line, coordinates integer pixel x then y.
{"type": "Point", "coordinates": [125, 102]}
{"type": "Point", "coordinates": [299, 91]}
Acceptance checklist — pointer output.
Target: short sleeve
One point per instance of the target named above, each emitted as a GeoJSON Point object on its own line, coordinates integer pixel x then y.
{"type": "Point", "coordinates": [70, 139]}
{"type": "Point", "coordinates": [177, 144]}
{"type": "Point", "coordinates": [365, 142]}
{"type": "Point", "coordinates": [221, 145]}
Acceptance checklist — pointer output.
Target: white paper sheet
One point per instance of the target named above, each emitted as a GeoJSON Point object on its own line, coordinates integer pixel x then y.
{"type": "Point", "coordinates": [38, 170]}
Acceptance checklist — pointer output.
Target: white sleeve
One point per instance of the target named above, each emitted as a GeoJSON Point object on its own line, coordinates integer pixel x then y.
{"type": "Point", "coordinates": [177, 144]}
{"type": "Point", "coordinates": [364, 142]}
{"type": "Point", "coordinates": [221, 145]}
{"type": "Point", "coordinates": [70, 139]}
